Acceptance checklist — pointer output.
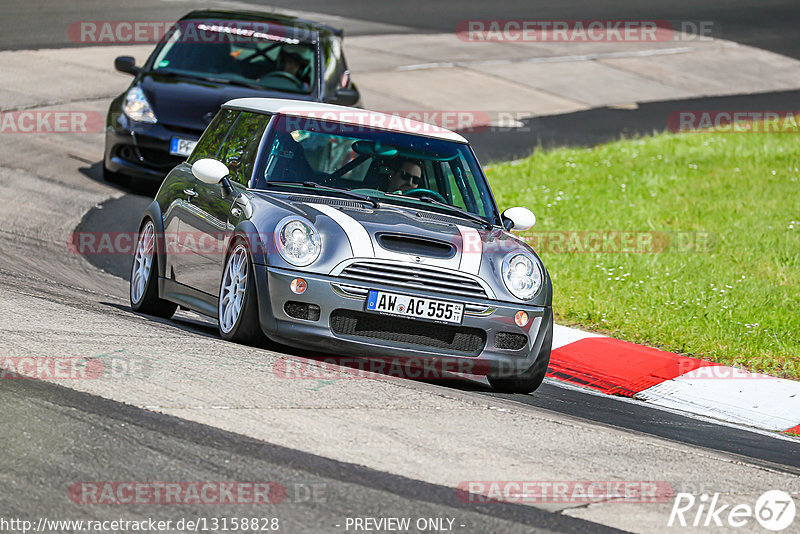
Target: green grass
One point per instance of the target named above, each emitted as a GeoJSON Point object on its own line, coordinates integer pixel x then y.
{"type": "Point", "coordinates": [734, 299]}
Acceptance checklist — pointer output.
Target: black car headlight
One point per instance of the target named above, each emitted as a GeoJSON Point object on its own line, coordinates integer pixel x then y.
{"type": "Point", "coordinates": [137, 108]}
{"type": "Point", "coordinates": [522, 275]}
{"type": "Point", "coordinates": [298, 241]}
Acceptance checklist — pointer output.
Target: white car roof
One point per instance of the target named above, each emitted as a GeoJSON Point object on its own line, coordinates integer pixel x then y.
{"type": "Point", "coordinates": [345, 115]}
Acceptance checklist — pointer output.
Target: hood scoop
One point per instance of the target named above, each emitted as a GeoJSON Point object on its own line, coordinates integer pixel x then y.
{"type": "Point", "coordinates": [417, 246]}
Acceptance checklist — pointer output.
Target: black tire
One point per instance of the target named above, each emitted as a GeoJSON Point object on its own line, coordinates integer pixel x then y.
{"type": "Point", "coordinates": [149, 303]}
{"type": "Point", "coordinates": [246, 328]}
{"type": "Point", "coordinates": [528, 381]}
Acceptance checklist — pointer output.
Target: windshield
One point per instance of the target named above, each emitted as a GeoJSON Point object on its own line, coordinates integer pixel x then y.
{"type": "Point", "coordinates": [259, 55]}
{"type": "Point", "coordinates": [391, 167]}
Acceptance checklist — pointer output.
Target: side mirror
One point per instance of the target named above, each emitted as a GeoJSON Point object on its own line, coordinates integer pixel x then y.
{"type": "Point", "coordinates": [344, 96]}
{"type": "Point", "coordinates": [126, 64]}
{"type": "Point", "coordinates": [211, 171]}
{"type": "Point", "coordinates": [519, 219]}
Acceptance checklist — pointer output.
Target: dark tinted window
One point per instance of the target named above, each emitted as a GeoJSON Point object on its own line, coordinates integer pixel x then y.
{"type": "Point", "coordinates": [256, 54]}
{"type": "Point", "coordinates": [369, 160]}
{"type": "Point", "coordinates": [214, 135]}
{"type": "Point", "coordinates": [239, 150]}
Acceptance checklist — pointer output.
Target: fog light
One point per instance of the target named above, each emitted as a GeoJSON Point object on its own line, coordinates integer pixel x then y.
{"type": "Point", "coordinates": [521, 318]}
{"type": "Point", "coordinates": [302, 310]}
{"type": "Point", "coordinates": [298, 286]}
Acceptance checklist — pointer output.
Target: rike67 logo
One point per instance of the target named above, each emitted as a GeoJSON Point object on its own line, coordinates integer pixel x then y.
{"type": "Point", "coordinates": [774, 510]}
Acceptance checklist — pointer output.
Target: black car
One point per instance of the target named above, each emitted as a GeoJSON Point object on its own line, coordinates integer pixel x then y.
{"type": "Point", "coordinates": [207, 58]}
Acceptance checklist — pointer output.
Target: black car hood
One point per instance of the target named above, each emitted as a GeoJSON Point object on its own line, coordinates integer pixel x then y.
{"type": "Point", "coordinates": [191, 104]}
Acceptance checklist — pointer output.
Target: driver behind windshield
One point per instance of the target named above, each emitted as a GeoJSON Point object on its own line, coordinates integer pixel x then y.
{"type": "Point", "coordinates": [293, 60]}
{"type": "Point", "coordinates": [406, 176]}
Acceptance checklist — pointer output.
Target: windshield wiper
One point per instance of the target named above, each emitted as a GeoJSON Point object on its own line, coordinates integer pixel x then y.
{"type": "Point", "coordinates": [464, 214]}
{"type": "Point", "coordinates": [238, 83]}
{"type": "Point", "coordinates": [204, 78]}
{"type": "Point", "coordinates": [315, 185]}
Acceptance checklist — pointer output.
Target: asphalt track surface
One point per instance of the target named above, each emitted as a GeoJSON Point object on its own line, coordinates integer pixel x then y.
{"type": "Point", "coordinates": [123, 214]}
{"type": "Point", "coordinates": [771, 25]}
{"type": "Point", "coordinates": [320, 493]}
{"type": "Point", "coordinates": [604, 124]}
{"type": "Point", "coordinates": [768, 25]}
{"type": "Point", "coordinates": [56, 435]}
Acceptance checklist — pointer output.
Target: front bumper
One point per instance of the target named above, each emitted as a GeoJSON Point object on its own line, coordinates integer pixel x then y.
{"type": "Point", "coordinates": [141, 150]}
{"type": "Point", "coordinates": [342, 308]}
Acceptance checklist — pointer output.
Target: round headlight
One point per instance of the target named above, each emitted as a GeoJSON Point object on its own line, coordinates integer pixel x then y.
{"type": "Point", "coordinates": [297, 241]}
{"type": "Point", "coordinates": [522, 275]}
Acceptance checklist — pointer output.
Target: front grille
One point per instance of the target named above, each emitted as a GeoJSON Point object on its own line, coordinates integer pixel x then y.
{"type": "Point", "coordinates": [469, 341]}
{"type": "Point", "coordinates": [510, 340]}
{"type": "Point", "coordinates": [409, 276]}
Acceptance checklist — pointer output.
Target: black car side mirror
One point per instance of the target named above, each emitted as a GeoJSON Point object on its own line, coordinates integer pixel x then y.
{"type": "Point", "coordinates": [126, 64]}
{"type": "Point", "coordinates": [344, 96]}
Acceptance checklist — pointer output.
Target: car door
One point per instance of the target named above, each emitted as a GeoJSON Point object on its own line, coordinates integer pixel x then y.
{"type": "Point", "coordinates": [209, 219]}
{"type": "Point", "coordinates": [181, 219]}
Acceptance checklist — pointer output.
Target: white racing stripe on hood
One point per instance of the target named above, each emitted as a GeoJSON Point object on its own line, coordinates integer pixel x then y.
{"type": "Point", "coordinates": [471, 250]}
{"type": "Point", "coordinates": [359, 238]}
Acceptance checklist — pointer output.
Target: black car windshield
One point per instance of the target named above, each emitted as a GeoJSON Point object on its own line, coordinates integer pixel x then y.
{"type": "Point", "coordinates": [253, 54]}
{"type": "Point", "coordinates": [393, 167]}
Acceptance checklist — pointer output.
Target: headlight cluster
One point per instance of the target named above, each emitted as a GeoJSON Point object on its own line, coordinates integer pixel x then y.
{"type": "Point", "coordinates": [522, 275]}
{"type": "Point", "coordinates": [297, 241]}
{"type": "Point", "coordinates": [137, 107]}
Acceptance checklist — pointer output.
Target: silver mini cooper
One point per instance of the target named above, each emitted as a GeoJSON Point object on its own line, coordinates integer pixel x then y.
{"type": "Point", "coordinates": [349, 232]}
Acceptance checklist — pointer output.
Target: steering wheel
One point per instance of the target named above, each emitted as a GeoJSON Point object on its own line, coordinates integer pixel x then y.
{"type": "Point", "coordinates": [421, 192]}
{"type": "Point", "coordinates": [283, 74]}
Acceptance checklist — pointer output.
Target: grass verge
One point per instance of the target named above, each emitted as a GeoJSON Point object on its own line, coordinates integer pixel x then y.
{"type": "Point", "coordinates": [687, 242]}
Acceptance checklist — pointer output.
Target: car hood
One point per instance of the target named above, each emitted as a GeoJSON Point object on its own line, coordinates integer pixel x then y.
{"type": "Point", "coordinates": [191, 104]}
{"type": "Point", "coordinates": [399, 234]}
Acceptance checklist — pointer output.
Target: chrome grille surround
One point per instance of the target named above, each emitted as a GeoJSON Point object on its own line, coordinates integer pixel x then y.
{"type": "Point", "coordinates": [413, 276]}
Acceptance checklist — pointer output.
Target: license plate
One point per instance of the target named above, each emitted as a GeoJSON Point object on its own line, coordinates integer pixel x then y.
{"type": "Point", "coordinates": [415, 307]}
{"type": "Point", "coordinates": [181, 147]}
